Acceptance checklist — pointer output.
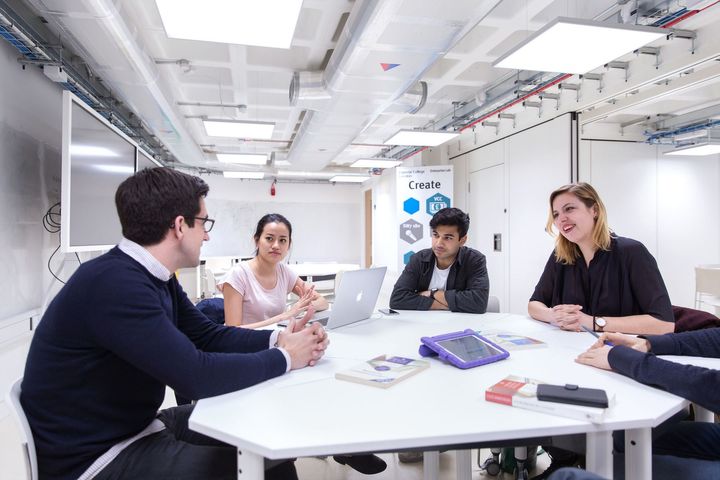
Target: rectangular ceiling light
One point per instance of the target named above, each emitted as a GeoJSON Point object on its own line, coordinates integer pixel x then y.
{"type": "Point", "coordinates": [349, 178]}
{"type": "Point", "coordinates": [571, 45]}
{"type": "Point", "coordinates": [698, 150]}
{"type": "Point", "coordinates": [250, 175]}
{"type": "Point", "coordinates": [242, 158]}
{"type": "Point", "coordinates": [267, 23]}
{"type": "Point", "coordinates": [305, 174]}
{"type": "Point", "coordinates": [417, 138]}
{"type": "Point", "coordinates": [376, 163]}
{"type": "Point", "coordinates": [228, 128]}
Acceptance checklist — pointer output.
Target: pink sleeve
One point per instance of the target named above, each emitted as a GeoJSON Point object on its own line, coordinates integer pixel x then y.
{"type": "Point", "coordinates": [236, 278]}
{"type": "Point", "coordinates": [287, 276]}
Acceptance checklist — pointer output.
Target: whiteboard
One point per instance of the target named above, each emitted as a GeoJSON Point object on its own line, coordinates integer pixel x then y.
{"type": "Point", "coordinates": [322, 232]}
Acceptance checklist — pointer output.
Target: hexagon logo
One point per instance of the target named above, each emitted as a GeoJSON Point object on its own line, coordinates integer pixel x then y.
{"type": "Point", "coordinates": [411, 231]}
{"type": "Point", "coordinates": [406, 257]}
{"type": "Point", "coordinates": [411, 205]}
{"type": "Point", "coordinates": [435, 203]}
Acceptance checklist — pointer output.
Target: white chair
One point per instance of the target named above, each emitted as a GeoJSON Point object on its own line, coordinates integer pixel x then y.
{"type": "Point", "coordinates": [707, 286]}
{"type": "Point", "coordinates": [493, 305]}
{"type": "Point", "coordinates": [26, 439]}
{"type": "Point", "coordinates": [209, 284]}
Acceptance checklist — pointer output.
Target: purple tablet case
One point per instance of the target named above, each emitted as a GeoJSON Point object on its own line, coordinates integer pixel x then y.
{"type": "Point", "coordinates": [430, 347]}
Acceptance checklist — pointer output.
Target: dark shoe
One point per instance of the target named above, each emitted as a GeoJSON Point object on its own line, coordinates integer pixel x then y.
{"type": "Point", "coordinates": [559, 458]}
{"type": "Point", "coordinates": [367, 464]}
{"type": "Point", "coordinates": [412, 456]}
{"type": "Point", "coordinates": [283, 471]}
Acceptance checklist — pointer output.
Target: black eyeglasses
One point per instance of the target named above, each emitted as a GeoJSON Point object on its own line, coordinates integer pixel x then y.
{"type": "Point", "coordinates": [205, 222]}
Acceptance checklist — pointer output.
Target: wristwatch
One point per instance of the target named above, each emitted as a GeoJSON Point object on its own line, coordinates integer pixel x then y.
{"type": "Point", "coordinates": [599, 324]}
{"type": "Point", "coordinates": [432, 293]}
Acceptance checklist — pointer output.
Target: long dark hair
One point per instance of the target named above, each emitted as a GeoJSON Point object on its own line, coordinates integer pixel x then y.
{"type": "Point", "coordinates": [272, 218]}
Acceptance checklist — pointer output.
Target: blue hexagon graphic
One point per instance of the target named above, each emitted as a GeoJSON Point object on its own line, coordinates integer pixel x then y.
{"type": "Point", "coordinates": [406, 257]}
{"type": "Point", "coordinates": [435, 203]}
{"type": "Point", "coordinates": [411, 205]}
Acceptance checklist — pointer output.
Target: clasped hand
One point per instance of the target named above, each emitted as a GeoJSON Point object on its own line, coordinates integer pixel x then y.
{"type": "Point", "coordinates": [305, 344]}
{"type": "Point", "coordinates": [569, 317]}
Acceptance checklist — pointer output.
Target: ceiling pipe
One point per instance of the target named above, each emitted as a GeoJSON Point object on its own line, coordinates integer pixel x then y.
{"type": "Point", "coordinates": [353, 90]}
{"type": "Point", "coordinates": [98, 32]}
{"type": "Point", "coordinates": [459, 121]}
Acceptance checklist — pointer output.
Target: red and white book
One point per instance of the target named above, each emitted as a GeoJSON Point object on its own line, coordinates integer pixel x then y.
{"type": "Point", "coordinates": [521, 392]}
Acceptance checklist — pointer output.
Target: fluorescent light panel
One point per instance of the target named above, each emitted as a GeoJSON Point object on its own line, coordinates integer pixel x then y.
{"type": "Point", "coordinates": [242, 158]}
{"type": "Point", "coordinates": [349, 179]}
{"type": "Point", "coordinates": [416, 138]}
{"type": "Point", "coordinates": [376, 163]}
{"type": "Point", "coordinates": [220, 128]}
{"type": "Point", "coordinates": [266, 23]}
{"type": "Point", "coordinates": [250, 175]}
{"type": "Point", "coordinates": [571, 45]}
{"type": "Point", "coordinates": [698, 150]}
{"type": "Point", "coordinates": [304, 174]}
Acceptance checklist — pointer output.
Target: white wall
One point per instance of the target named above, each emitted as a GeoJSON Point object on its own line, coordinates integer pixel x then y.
{"type": "Point", "coordinates": [535, 162]}
{"type": "Point", "coordinates": [385, 245]}
{"type": "Point", "coordinates": [30, 136]}
{"type": "Point", "coordinates": [30, 120]}
{"type": "Point", "coordinates": [538, 162]}
{"type": "Point", "coordinates": [324, 218]}
{"type": "Point", "coordinates": [671, 204]}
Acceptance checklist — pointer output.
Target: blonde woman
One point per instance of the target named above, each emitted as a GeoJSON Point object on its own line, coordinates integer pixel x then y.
{"type": "Point", "coordinates": [594, 278]}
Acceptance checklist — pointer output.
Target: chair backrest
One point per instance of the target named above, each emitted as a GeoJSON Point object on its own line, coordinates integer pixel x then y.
{"type": "Point", "coordinates": [26, 439]}
{"type": "Point", "coordinates": [707, 280]}
{"type": "Point", "coordinates": [687, 319]}
{"type": "Point", "coordinates": [493, 305]}
{"type": "Point", "coordinates": [213, 308]}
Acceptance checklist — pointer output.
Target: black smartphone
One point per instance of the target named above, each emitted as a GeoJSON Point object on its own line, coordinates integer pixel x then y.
{"type": "Point", "coordinates": [572, 394]}
{"type": "Point", "coordinates": [387, 311]}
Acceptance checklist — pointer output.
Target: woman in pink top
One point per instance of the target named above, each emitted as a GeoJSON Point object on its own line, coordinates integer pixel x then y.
{"type": "Point", "coordinates": [256, 291]}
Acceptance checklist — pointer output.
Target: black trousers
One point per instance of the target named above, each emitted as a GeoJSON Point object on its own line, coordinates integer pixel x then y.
{"type": "Point", "coordinates": [179, 453]}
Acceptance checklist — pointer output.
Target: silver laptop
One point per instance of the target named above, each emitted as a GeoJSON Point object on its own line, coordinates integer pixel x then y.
{"type": "Point", "coordinates": [355, 298]}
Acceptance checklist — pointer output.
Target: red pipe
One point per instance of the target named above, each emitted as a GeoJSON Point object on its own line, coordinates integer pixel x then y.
{"type": "Point", "coordinates": [518, 100]}
{"type": "Point", "coordinates": [687, 15]}
{"type": "Point", "coordinates": [413, 153]}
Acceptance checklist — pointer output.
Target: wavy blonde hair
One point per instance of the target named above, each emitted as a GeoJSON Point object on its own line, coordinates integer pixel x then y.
{"type": "Point", "coordinates": [566, 251]}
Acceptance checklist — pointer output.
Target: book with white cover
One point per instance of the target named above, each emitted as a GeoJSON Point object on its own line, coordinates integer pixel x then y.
{"type": "Point", "coordinates": [511, 341]}
{"type": "Point", "coordinates": [521, 392]}
{"type": "Point", "coordinates": [383, 371]}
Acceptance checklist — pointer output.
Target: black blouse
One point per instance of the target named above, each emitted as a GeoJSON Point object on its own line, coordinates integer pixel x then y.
{"type": "Point", "coordinates": [622, 281]}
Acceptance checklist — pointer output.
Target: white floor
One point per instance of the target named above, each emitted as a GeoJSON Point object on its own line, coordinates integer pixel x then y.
{"type": "Point", "coordinates": [328, 469]}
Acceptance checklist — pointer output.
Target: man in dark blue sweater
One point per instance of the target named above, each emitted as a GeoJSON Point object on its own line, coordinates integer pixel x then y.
{"type": "Point", "coordinates": [122, 329]}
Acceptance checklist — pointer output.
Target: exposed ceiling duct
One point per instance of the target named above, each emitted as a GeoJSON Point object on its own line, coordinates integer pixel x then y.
{"type": "Point", "coordinates": [99, 33]}
{"type": "Point", "coordinates": [358, 85]}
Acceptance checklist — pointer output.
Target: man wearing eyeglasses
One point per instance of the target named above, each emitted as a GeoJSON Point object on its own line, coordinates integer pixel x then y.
{"type": "Point", "coordinates": [122, 329]}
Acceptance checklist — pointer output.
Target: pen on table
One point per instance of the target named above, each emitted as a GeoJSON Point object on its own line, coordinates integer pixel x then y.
{"type": "Point", "coordinates": [594, 334]}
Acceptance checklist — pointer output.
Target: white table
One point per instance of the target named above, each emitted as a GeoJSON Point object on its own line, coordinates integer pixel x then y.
{"type": "Point", "coordinates": [443, 406]}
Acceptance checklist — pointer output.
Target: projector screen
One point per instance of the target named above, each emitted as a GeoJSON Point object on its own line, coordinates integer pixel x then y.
{"type": "Point", "coordinates": [96, 158]}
